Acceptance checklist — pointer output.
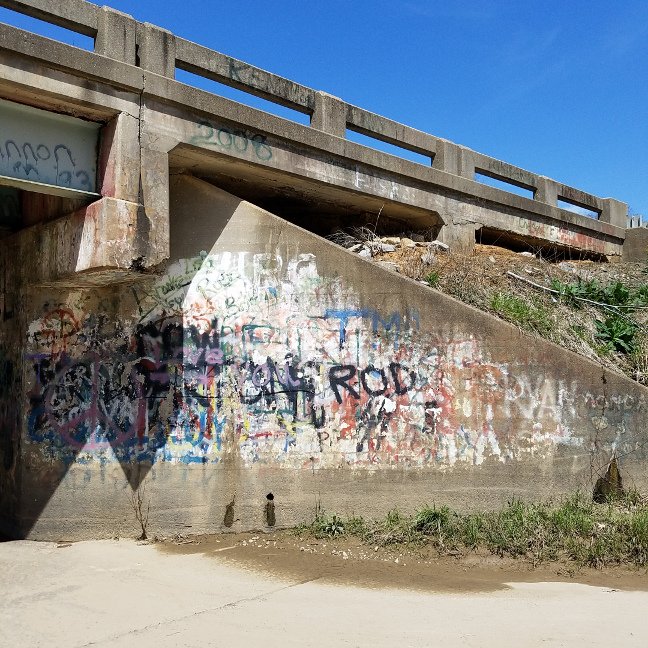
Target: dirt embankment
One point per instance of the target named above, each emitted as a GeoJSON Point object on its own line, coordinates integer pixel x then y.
{"type": "Point", "coordinates": [596, 309]}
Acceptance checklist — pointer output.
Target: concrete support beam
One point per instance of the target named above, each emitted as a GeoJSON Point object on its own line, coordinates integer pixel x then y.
{"type": "Point", "coordinates": [459, 237]}
{"type": "Point", "coordinates": [119, 158]}
{"type": "Point", "coordinates": [153, 235]}
{"type": "Point", "coordinates": [71, 80]}
{"type": "Point", "coordinates": [156, 50]}
{"type": "Point", "coordinates": [635, 246]}
{"type": "Point", "coordinates": [95, 245]}
{"type": "Point", "coordinates": [116, 36]}
{"type": "Point", "coordinates": [614, 212]}
{"type": "Point", "coordinates": [329, 115]}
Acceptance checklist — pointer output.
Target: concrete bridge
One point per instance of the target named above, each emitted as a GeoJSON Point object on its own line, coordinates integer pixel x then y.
{"type": "Point", "coordinates": [151, 125]}
{"type": "Point", "coordinates": [166, 322]}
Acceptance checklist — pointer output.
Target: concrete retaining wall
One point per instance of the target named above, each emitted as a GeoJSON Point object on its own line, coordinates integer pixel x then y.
{"type": "Point", "coordinates": [635, 246]}
{"type": "Point", "coordinates": [265, 360]}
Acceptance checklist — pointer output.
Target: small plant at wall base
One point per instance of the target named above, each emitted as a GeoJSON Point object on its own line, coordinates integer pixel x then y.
{"type": "Point", "coordinates": [142, 508]}
{"type": "Point", "coordinates": [334, 527]}
{"type": "Point", "coordinates": [324, 526]}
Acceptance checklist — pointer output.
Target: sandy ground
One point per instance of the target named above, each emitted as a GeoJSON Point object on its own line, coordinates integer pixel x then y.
{"type": "Point", "coordinates": [278, 590]}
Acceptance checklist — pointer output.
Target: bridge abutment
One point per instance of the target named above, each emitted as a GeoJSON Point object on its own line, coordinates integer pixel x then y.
{"type": "Point", "coordinates": [162, 331]}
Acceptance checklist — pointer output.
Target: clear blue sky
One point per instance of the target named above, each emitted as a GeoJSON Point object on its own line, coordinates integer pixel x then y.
{"type": "Point", "coordinates": [557, 87]}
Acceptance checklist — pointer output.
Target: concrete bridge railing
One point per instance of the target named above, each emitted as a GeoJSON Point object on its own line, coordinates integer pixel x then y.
{"type": "Point", "coordinates": [119, 37]}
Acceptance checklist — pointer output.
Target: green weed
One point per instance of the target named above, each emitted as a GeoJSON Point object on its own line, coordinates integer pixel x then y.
{"type": "Point", "coordinates": [615, 294]}
{"type": "Point", "coordinates": [617, 333]}
{"type": "Point", "coordinates": [432, 279]}
{"type": "Point", "coordinates": [324, 526]}
{"type": "Point", "coordinates": [526, 315]}
{"type": "Point", "coordinates": [571, 293]}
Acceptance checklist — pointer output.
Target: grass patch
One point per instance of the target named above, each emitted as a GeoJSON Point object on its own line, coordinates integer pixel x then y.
{"type": "Point", "coordinates": [525, 314]}
{"type": "Point", "coordinates": [571, 529]}
{"type": "Point", "coordinates": [432, 279]}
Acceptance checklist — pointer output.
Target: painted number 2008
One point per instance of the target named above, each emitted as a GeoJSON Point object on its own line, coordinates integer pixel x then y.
{"type": "Point", "coordinates": [232, 139]}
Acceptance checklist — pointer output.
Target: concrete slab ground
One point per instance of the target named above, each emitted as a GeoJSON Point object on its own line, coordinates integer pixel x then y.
{"type": "Point", "coordinates": [120, 593]}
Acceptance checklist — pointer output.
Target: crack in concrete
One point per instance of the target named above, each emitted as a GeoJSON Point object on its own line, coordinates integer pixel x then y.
{"type": "Point", "coordinates": [225, 606]}
{"type": "Point", "coordinates": [140, 244]}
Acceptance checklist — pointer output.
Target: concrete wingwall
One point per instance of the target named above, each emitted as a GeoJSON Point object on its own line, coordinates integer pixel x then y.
{"type": "Point", "coordinates": [635, 246]}
{"type": "Point", "coordinates": [266, 360]}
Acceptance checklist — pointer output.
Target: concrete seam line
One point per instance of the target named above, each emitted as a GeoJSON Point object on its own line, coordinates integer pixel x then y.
{"type": "Point", "coordinates": [225, 606]}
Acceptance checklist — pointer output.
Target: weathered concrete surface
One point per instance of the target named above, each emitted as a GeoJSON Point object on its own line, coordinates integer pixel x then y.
{"type": "Point", "coordinates": [345, 175]}
{"type": "Point", "coordinates": [267, 360]}
{"type": "Point", "coordinates": [112, 594]}
{"type": "Point", "coordinates": [99, 241]}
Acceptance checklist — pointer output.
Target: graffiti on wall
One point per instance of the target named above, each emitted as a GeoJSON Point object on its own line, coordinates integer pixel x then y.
{"type": "Point", "coordinates": [237, 141]}
{"type": "Point", "coordinates": [36, 161]}
{"type": "Point", "coordinates": [40, 146]}
{"type": "Point", "coordinates": [567, 237]}
{"type": "Point", "coordinates": [260, 357]}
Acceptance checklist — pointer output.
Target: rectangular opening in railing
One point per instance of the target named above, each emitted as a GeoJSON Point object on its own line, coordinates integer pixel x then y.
{"type": "Point", "coordinates": [578, 208]}
{"type": "Point", "coordinates": [43, 28]}
{"type": "Point", "coordinates": [222, 90]}
{"type": "Point", "coordinates": [505, 185]}
{"type": "Point", "coordinates": [385, 147]}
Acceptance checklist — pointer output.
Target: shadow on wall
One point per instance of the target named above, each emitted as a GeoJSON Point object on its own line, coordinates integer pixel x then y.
{"type": "Point", "coordinates": [203, 364]}
{"type": "Point", "coordinates": [10, 387]}
{"type": "Point", "coordinates": [107, 378]}
{"type": "Point", "coordinates": [9, 437]}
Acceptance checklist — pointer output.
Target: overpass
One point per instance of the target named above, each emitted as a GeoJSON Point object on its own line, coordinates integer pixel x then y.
{"type": "Point", "coordinates": [152, 125]}
{"type": "Point", "coordinates": [171, 317]}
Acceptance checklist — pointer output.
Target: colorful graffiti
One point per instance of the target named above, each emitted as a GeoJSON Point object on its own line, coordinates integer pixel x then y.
{"type": "Point", "coordinates": [255, 357]}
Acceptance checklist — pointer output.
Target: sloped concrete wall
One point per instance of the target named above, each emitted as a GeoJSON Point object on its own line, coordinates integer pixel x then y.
{"type": "Point", "coordinates": [265, 360]}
